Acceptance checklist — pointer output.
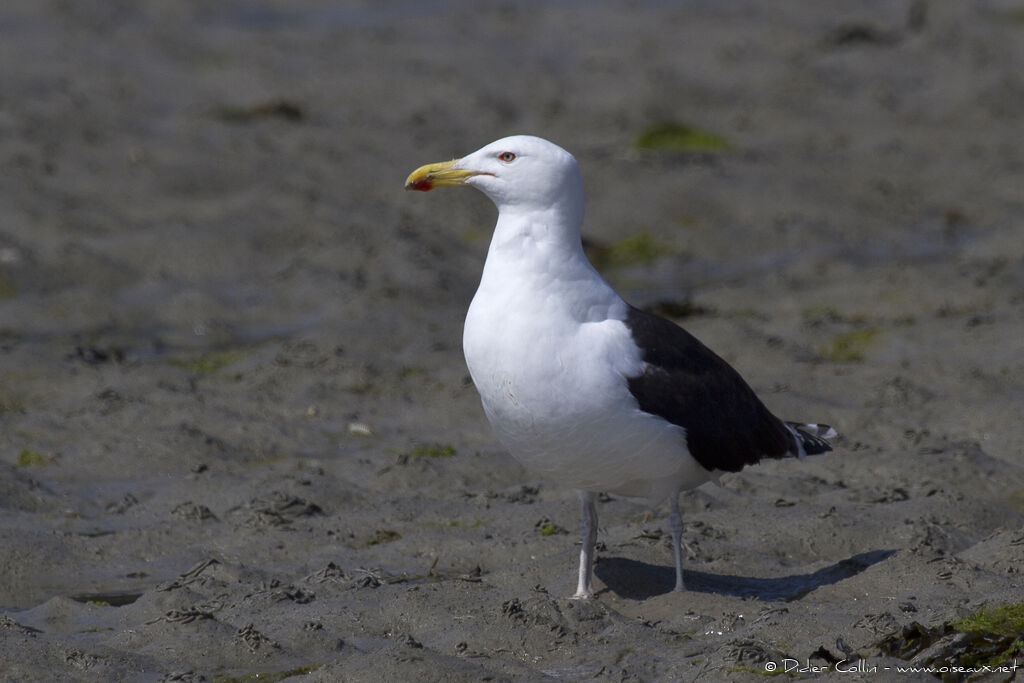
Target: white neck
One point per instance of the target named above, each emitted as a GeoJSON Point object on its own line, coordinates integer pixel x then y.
{"type": "Point", "coordinates": [531, 251]}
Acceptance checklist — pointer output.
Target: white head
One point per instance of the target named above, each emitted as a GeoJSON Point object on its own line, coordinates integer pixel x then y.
{"type": "Point", "coordinates": [521, 173]}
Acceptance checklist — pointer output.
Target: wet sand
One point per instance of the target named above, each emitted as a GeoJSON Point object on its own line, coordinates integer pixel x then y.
{"type": "Point", "coordinates": [237, 435]}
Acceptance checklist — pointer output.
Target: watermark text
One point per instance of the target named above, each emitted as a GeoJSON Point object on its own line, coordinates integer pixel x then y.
{"type": "Point", "coordinates": [864, 666]}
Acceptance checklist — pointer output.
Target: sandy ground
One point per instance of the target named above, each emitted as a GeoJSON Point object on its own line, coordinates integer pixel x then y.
{"type": "Point", "coordinates": [236, 432]}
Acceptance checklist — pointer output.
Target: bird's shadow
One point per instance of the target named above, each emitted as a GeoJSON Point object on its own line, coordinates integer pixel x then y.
{"type": "Point", "coordinates": [637, 580]}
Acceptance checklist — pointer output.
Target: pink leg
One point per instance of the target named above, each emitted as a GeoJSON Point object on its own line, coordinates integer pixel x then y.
{"type": "Point", "coordinates": [588, 535]}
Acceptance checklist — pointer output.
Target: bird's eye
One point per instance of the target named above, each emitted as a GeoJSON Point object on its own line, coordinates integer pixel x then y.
{"type": "Point", "coordinates": [507, 157]}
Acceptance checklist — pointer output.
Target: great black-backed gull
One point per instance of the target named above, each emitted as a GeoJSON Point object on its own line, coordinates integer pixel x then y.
{"type": "Point", "coordinates": [580, 386]}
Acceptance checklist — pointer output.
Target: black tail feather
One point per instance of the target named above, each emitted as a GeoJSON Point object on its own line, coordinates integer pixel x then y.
{"type": "Point", "coordinates": [810, 439]}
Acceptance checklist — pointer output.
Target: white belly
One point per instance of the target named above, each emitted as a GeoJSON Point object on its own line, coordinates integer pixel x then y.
{"type": "Point", "coordinates": [555, 391]}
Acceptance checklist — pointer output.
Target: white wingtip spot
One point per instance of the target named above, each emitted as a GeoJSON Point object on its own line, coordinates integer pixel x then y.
{"type": "Point", "coordinates": [800, 453]}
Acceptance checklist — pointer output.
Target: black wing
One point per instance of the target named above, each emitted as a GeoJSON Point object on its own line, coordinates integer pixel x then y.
{"type": "Point", "coordinates": [686, 383]}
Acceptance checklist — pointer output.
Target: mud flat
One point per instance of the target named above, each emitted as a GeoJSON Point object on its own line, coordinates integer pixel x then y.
{"type": "Point", "coordinates": [236, 433]}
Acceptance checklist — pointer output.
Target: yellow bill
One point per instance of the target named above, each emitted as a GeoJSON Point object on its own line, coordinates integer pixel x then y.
{"type": "Point", "coordinates": [430, 176]}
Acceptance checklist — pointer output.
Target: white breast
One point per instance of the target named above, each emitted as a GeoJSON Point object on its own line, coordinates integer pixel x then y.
{"type": "Point", "coordinates": [550, 360]}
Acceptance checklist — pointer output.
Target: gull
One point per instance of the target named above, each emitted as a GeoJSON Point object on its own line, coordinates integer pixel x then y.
{"type": "Point", "coordinates": [580, 386]}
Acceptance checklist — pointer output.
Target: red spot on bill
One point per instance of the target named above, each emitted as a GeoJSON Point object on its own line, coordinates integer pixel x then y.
{"type": "Point", "coordinates": [421, 184]}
